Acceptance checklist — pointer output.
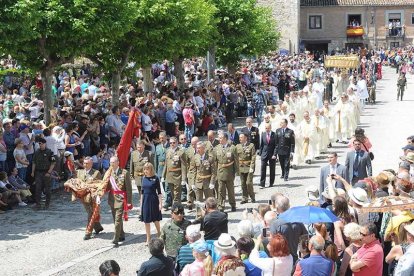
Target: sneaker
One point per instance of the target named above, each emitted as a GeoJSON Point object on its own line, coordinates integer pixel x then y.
{"type": "Point", "coordinates": [22, 204]}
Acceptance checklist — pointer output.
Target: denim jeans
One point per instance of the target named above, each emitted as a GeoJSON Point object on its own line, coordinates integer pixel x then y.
{"type": "Point", "coordinates": [22, 173]}
{"type": "Point", "coordinates": [188, 132]}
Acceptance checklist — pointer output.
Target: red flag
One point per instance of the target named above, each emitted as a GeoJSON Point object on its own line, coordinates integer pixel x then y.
{"type": "Point", "coordinates": [132, 130]}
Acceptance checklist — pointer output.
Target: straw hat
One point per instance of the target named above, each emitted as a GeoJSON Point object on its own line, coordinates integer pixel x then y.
{"type": "Point", "coordinates": [358, 195]}
{"type": "Point", "coordinates": [224, 242]}
{"type": "Point", "coordinates": [410, 228]}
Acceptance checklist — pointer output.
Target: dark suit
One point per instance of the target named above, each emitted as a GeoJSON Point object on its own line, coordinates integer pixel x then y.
{"type": "Point", "coordinates": [253, 135]}
{"type": "Point", "coordinates": [363, 170]}
{"type": "Point", "coordinates": [285, 145]}
{"type": "Point", "coordinates": [234, 138]}
{"type": "Point", "coordinates": [326, 171]}
{"type": "Point", "coordinates": [267, 150]}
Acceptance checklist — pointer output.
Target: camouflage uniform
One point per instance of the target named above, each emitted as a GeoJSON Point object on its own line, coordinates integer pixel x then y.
{"type": "Point", "coordinates": [175, 171]}
{"type": "Point", "coordinates": [115, 201]}
{"type": "Point", "coordinates": [173, 234]}
{"type": "Point", "coordinates": [89, 205]}
{"type": "Point", "coordinates": [137, 162]}
{"type": "Point", "coordinates": [227, 163]}
{"type": "Point", "coordinates": [247, 159]}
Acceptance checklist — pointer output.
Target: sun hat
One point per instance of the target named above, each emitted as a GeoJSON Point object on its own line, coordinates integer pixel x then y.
{"type": "Point", "coordinates": [224, 242]}
{"type": "Point", "coordinates": [410, 228]}
{"type": "Point", "coordinates": [381, 179]}
{"type": "Point", "coordinates": [313, 193]}
{"type": "Point", "coordinates": [337, 191]}
{"type": "Point", "coordinates": [408, 158]}
{"type": "Point", "coordinates": [358, 195]}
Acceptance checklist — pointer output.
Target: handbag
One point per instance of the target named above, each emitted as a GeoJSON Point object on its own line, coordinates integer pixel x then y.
{"type": "Point", "coordinates": [370, 153]}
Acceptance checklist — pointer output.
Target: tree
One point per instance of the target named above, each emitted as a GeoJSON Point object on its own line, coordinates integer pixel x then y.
{"type": "Point", "coordinates": [163, 29]}
{"type": "Point", "coordinates": [245, 29]}
{"type": "Point", "coordinates": [43, 34]}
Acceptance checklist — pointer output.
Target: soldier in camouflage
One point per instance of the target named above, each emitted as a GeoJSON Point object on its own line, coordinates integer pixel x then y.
{"type": "Point", "coordinates": [173, 231]}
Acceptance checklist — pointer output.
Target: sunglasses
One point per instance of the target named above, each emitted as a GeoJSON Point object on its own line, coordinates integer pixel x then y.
{"type": "Point", "coordinates": [178, 213]}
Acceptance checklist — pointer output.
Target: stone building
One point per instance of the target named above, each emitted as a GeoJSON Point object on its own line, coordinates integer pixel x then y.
{"type": "Point", "coordinates": [286, 13]}
{"type": "Point", "coordinates": [327, 25]}
{"type": "Point", "coordinates": [337, 24]}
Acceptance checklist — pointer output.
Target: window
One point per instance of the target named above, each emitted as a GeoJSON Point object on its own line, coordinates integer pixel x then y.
{"type": "Point", "coordinates": [395, 44]}
{"type": "Point", "coordinates": [354, 20]}
{"type": "Point", "coordinates": [315, 22]}
{"type": "Point", "coordinates": [412, 18]}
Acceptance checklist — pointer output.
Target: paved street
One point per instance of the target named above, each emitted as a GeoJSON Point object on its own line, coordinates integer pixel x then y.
{"type": "Point", "coordinates": [50, 242]}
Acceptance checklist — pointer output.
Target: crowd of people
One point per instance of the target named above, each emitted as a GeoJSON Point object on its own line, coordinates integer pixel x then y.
{"type": "Point", "coordinates": [301, 109]}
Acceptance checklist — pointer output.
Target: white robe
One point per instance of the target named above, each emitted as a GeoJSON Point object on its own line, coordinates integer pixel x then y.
{"type": "Point", "coordinates": [343, 116]}
{"type": "Point", "coordinates": [306, 150]}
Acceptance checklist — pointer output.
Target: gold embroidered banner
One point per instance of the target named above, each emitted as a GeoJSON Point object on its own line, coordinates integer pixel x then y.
{"type": "Point", "coordinates": [342, 61]}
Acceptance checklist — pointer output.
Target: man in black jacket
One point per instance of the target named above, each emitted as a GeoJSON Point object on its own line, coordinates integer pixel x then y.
{"type": "Point", "coordinates": [158, 264]}
{"type": "Point", "coordinates": [214, 223]}
{"type": "Point", "coordinates": [268, 155]}
{"type": "Point", "coordinates": [285, 147]}
{"type": "Point", "coordinates": [252, 133]}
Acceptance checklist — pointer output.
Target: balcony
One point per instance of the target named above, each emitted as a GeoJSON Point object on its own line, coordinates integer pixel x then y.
{"type": "Point", "coordinates": [395, 32]}
{"type": "Point", "coordinates": [354, 31]}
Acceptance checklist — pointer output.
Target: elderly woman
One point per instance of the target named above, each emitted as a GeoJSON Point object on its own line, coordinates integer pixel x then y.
{"type": "Point", "coordinates": [228, 264]}
{"type": "Point", "coordinates": [352, 232]}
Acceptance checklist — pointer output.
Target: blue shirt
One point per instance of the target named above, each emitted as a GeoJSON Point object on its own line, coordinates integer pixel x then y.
{"type": "Point", "coordinates": [124, 118]}
{"type": "Point", "coordinates": [252, 270]}
{"type": "Point", "coordinates": [170, 116]}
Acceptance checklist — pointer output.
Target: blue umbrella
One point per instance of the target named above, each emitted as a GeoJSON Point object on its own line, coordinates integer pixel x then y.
{"type": "Point", "coordinates": [308, 215]}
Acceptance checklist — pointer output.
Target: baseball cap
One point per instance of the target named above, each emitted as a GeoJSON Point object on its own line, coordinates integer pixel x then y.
{"type": "Point", "coordinates": [408, 147]}
{"type": "Point", "coordinates": [199, 246]}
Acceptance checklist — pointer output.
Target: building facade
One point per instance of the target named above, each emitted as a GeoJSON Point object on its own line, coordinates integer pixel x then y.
{"type": "Point", "coordinates": [287, 15]}
{"type": "Point", "coordinates": [328, 25]}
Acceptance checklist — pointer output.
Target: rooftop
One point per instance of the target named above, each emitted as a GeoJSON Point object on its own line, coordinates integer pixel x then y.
{"type": "Point", "coordinates": [319, 3]}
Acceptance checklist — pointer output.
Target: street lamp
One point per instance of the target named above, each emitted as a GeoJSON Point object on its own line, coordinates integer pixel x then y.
{"type": "Point", "coordinates": [372, 16]}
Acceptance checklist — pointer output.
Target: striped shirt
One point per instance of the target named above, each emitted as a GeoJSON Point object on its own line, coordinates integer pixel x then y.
{"type": "Point", "coordinates": [185, 256]}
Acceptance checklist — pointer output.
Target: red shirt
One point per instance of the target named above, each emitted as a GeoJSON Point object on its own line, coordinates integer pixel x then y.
{"type": "Point", "coordinates": [372, 256]}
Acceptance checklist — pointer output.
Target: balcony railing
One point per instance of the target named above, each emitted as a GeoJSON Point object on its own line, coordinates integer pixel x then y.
{"type": "Point", "coordinates": [354, 31]}
{"type": "Point", "coordinates": [395, 32]}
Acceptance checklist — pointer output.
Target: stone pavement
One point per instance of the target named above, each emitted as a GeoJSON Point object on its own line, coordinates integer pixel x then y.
{"type": "Point", "coordinates": [50, 242]}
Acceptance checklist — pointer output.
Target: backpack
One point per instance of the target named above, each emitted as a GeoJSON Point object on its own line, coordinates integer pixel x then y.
{"type": "Point", "coordinates": [188, 120]}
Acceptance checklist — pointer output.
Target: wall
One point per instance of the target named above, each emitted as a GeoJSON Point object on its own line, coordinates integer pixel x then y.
{"type": "Point", "coordinates": [334, 22]}
{"type": "Point", "coordinates": [286, 14]}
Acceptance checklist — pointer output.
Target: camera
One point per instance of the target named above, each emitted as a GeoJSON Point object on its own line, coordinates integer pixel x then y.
{"type": "Point", "coordinates": [265, 232]}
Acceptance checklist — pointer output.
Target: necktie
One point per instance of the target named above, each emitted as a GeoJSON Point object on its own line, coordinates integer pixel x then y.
{"type": "Point", "coordinates": [356, 162]}
{"type": "Point", "coordinates": [268, 137]}
{"type": "Point", "coordinates": [283, 131]}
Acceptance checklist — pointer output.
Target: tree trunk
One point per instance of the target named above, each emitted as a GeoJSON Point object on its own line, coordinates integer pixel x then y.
{"type": "Point", "coordinates": [47, 74]}
{"type": "Point", "coordinates": [231, 68]}
{"type": "Point", "coordinates": [116, 80]}
{"type": "Point", "coordinates": [179, 73]}
{"type": "Point", "coordinates": [148, 84]}
{"type": "Point", "coordinates": [212, 61]}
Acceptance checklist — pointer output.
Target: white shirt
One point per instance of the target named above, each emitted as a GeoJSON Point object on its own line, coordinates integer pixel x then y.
{"type": "Point", "coordinates": [34, 112]}
{"type": "Point", "coordinates": [51, 143]}
{"type": "Point", "coordinates": [281, 265]}
{"type": "Point", "coordinates": [146, 122]}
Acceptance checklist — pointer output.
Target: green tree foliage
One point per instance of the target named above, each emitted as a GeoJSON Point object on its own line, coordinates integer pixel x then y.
{"type": "Point", "coordinates": [245, 29]}
{"type": "Point", "coordinates": [43, 34]}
